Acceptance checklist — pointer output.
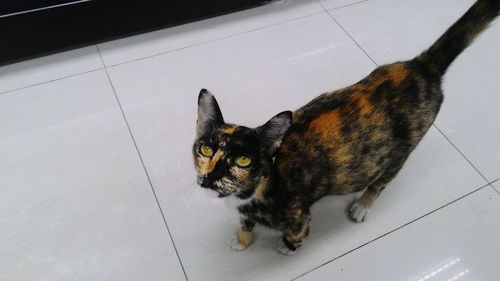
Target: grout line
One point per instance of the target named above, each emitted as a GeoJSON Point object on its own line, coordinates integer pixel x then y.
{"type": "Point", "coordinates": [498, 192]}
{"type": "Point", "coordinates": [347, 5]}
{"type": "Point", "coordinates": [212, 40]}
{"type": "Point", "coordinates": [491, 184]}
{"type": "Point", "coordinates": [319, 3]}
{"type": "Point", "coordinates": [458, 150]}
{"type": "Point", "coordinates": [48, 81]}
{"type": "Point", "coordinates": [345, 31]}
{"type": "Point", "coordinates": [394, 230]}
{"type": "Point", "coordinates": [144, 167]}
{"type": "Point", "coordinates": [340, 7]}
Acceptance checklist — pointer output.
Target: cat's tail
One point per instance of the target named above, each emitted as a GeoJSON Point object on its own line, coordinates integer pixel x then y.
{"type": "Point", "coordinates": [460, 35]}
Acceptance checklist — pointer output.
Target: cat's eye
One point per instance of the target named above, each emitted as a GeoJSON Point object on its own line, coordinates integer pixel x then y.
{"type": "Point", "coordinates": [206, 150]}
{"type": "Point", "coordinates": [243, 161]}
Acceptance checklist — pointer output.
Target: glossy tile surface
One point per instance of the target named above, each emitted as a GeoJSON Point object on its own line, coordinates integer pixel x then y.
{"type": "Point", "coordinates": [40, 70]}
{"type": "Point", "coordinates": [179, 37]}
{"type": "Point", "coordinates": [470, 113]}
{"type": "Point", "coordinates": [76, 204]}
{"type": "Point", "coordinates": [442, 246]}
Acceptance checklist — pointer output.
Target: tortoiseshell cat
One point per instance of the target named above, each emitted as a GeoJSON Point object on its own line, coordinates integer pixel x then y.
{"type": "Point", "coordinates": [349, 140]}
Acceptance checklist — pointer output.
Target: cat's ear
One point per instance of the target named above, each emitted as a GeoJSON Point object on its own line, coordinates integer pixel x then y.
{"type": "Point", "coordinates": [273, 131]}
{"type": "Point", "coordinates": [209, 114]}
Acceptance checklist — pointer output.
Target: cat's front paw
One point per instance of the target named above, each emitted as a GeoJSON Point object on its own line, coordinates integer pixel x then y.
{"type": "Point", "coordinates": [283, 249]}
{"type": "Point", "coordinates": [236, 245]}
{"type": "Point", "coordinates": [358, 212]}
{"type": "Point", "coordinates": [241, 240]}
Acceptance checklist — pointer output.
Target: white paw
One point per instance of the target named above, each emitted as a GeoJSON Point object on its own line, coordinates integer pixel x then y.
{"type": "Point", "coordinates": [283, 249]}
{"type": "Point", "coordinates": [235, 244]}
{"type": "Point", "coordinates": [358, 212]}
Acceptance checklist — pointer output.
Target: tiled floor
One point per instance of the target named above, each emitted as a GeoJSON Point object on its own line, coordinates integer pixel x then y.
{"type": "Point", "coordinates": [96, 177]}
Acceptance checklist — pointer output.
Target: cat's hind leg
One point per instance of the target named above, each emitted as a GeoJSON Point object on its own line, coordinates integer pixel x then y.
{"type": "Point", "coordinates": [358, 211]}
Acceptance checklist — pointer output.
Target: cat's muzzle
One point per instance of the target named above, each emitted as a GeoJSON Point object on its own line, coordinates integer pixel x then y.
{"type": "Point", "coordinates": [204, 182]}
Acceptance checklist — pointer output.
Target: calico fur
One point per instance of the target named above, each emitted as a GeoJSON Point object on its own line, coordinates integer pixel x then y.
{"type": "Point", "coordinates": [353, 139]}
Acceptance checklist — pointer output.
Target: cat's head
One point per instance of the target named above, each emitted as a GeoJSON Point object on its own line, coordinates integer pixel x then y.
{"type": "Point", "coordinates": [231, 159]}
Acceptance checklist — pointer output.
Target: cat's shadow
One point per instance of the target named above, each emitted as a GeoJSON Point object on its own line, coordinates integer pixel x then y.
{"type": "Point", "coordinates": [331, 213]}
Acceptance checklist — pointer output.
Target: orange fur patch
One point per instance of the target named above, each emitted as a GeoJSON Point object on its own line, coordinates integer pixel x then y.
{"type": "Point", "coordinates": [327, 124]}
{"type": "Point", "coordinates": [207, 165]}
{"type": "Point", "coordinates": [364, 104]}
{"type": "Point", "coordinates": [261, 188]}
{"type": "Point", "coordinates": [229, 130]}
{"type": "Point", "coordinates": [397, 73]}
{"type": "Point", "coordinates": [245, 237]}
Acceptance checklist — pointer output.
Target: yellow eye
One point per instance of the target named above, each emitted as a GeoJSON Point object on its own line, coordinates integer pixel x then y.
{"type": "Point", "coordinates": [206, 150]}
{"type": "Point", "coordinates": [243, 161]}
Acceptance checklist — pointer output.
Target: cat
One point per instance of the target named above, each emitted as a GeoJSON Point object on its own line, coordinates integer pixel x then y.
{"type": "Point", "coordinates": [353, 139]}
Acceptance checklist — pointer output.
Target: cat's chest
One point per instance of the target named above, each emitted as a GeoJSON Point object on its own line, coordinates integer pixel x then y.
{"type": "Point", "coordinates": [263, 215]}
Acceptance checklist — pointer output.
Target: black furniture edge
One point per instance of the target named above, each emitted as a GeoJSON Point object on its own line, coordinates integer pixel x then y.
{"type": "Point", "coordinates": [29, 35]}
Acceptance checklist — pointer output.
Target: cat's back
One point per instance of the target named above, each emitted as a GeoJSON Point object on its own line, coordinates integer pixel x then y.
{"type": "Point", "coordinates": [344, 139]}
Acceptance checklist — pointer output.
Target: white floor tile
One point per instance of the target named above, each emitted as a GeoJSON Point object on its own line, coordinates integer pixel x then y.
{"type": "Point", "coordinates": [166, 40]}
{"type": "Point", "coordinates": [76, 204]}
{"type": "Point", "coordinates": [35, 71]}
{"type": "Point", "coordinates": [445, 245]}
{"type": "Point", "coordinates": [332, 4]}
{"type": "Point", "coordinates": [471, 110]}
{"type": "Point", "coordinates": [264, 72]}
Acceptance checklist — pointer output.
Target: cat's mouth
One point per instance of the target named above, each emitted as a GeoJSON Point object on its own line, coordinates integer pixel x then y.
{"type": "Point", "coordinates": [212, 187]}
{"type": "Point", "coordinates": [221, 195]}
